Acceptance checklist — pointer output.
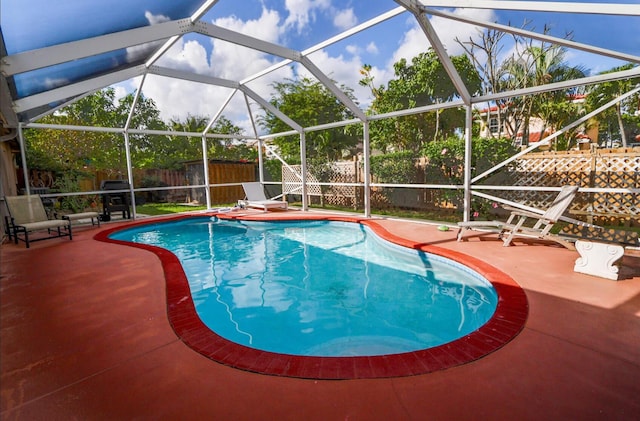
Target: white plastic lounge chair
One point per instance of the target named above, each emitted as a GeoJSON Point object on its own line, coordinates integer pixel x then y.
{"type": "Point", "coordinates": [255, 198]}
{"type": "Point", "coordinates": [27, 214]}
{"type": "Point", "coordinates": [542, 227]}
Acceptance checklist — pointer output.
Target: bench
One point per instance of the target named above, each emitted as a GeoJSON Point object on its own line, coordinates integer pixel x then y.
{"type": "Point", "coordinates": [600, 249]}
{"type": "Point", "coordinates": [94, 216]}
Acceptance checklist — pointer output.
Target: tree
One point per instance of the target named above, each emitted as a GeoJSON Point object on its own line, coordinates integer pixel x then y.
{"type": "Point", "coordinates": [602, 93]}
{"type": "Point", "coordinates": [555, 108]}
{"type": "Point", "coordinates": [423, 82]}
{"type": "Point", "coordinates": [179, 149]}
{"type": "Point", "coordinates": [73, 150]}
{"type": "Point", "coordinates": [146, 149]}
{"type": "Point", "coordinates": [529, 64]}
{"type": "Point", "coordinates": [187, 148]}
{"type": "Point", "coordinates": [485, 53]}
{"type": "Point", "coordinates": [229, 148]}
{"type": "Point", "coordinates": [310, 103]}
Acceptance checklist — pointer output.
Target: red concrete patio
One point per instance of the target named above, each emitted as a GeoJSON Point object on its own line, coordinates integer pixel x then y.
{"type": "Point", "coordinates": [85, 335]}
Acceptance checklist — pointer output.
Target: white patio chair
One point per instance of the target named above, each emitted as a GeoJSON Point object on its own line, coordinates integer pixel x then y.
{"type": "Point", "coordinates": [514, 227]}
{"type": "Point", "coordinates": [255, 198]}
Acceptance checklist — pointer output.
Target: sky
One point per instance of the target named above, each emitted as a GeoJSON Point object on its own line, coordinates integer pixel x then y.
{"type": "Point", "coordinates": [296, 24]}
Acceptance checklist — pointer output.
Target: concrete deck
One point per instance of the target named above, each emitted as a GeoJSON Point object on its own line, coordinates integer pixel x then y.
{"type": "Point", "coordinates": [84, 335]}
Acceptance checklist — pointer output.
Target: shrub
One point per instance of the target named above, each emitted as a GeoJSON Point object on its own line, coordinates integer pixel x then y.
{"type": "Point", "coordinates": [69, 182]}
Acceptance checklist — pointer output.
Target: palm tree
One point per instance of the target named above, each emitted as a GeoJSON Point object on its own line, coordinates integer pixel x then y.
{"type": "Point", "coordinates": [602, 93]}
{"type": "Point", "coordinates": [540, 65]}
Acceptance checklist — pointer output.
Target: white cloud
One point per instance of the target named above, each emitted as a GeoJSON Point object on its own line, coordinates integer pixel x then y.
{"type": "Point", "coordinates": [301, 12]}
{"type": "Point", "coordinates": [177, 98]}
{"type": "Point", "coordinates": [189, 56]}
{"type": "Point", "coordinates": [233, 62]}
{"type": "Point", "coordinates": [345, 19]}
{"type": "Point", "coordinates": [345, 72]}
{"type": "Point", "coordinates": [155, 19]}
{"type": "Point", "coordinates": [267, 27]}
{"type": "Point", "coordinates": [52, 83]}
{"type": "Point", "coordinates": [139, 52]}
{"type": "Point", "coordinates": [120, 91]}
{"type": "Point", "coordinates": [415, 41]}
{"type": "Point", "coordinates": [352, 49]}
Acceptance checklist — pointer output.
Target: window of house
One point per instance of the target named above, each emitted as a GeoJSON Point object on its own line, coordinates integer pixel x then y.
{"type": "Point", "coordinates": [494, 126]}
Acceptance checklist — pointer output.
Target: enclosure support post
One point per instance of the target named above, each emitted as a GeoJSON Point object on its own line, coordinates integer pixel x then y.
{"type": "Point", "coordinates": [303, 167]}
{"type": "Point", "coordinates": [127, 151]}
{"type": "Point", "coordinates": [467, 163]}
{"type": "Point", "coordinates": [367, 175]}
{"type": "Point", "coordinates": [205, 165]}
{"type": "Point", "coordinates": [127, 145]}
{"type": "Point", "coordinates": [23, 156]}
{"type": "Point", "coordinates": [260, 162]}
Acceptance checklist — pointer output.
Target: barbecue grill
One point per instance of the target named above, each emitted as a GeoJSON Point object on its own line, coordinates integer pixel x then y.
{"type": "Point", "coordinates": [115, 201]}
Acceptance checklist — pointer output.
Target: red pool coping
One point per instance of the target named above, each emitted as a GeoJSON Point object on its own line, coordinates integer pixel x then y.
{"type": "Point", "coordinates": [506, 323]}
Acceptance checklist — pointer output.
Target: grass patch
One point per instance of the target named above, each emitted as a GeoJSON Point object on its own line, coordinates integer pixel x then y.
{"type": "Point", "coordinates": [397, 213]}
{"type": "Point", "coordinates": [154, 209]}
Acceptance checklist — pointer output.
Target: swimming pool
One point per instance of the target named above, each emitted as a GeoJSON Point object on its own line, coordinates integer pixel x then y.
{"type": "Point", "coordinates": [321, 288]}
{"type": "Point", "coordinates": [250, 282]}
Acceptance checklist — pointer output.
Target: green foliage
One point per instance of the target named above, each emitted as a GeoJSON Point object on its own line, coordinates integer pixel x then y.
{"type": "Point", "coordinates": [182, 148]}
{"type": "Point", "coordinates": [153, 196]}
{"type": "Point", "coordinates": [72, 150]}
{"type": "Point", "coordinates": [69, 182]}
{"type": "Point", "coordinates": [274, 168]}
{"type": "Point", "coordinates": [309, 103]}
{"type": "Point", "coordinates": [39, 158]}
{"type": "Point", "coordinates": [394, 168]}
{"type": "Point", "coordinates": [487, 153]}
{"type": "Point", "coordinates": [446, 157]}
{"type": "Point", "coordinates": [445, 160]}
{"type": "Point", "coordinates": [445, 164]}
{"type": "Point", "coordinates": [620, 120]}
{"type": "Point", "coordinates": [65, 150]}
{"type": "Point", "coordinates": [540, 65]}
{"type": "Point", "coordinates": [423, 82]}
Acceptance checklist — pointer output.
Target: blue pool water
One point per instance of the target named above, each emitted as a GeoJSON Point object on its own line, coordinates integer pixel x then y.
{"type": "Point", "coordinates": [320, 288]}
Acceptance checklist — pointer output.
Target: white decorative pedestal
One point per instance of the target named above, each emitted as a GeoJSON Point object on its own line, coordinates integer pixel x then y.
{"type": "Point", "coordinates": [598, 259]}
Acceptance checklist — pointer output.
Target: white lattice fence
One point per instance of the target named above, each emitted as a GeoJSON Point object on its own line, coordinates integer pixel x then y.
{"type": "Point", "coordinates": [595, 169]}
{"type": "Point", "coordinates": [343, 172]}
{"type": "Point", "coordinates": [617, 171]}
{"type": "Point", "coordinates": [292, 181]}
{"type": "Point", "coordinates": [336, 172]}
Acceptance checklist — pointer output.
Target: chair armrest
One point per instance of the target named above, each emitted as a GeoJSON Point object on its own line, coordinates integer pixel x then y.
{"type": "Point", "coordinates": [527, 214]}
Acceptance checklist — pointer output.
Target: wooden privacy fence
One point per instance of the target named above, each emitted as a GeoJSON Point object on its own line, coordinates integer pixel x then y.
{"type": "Point", "coordinates": [141, 177]}
{"type": "Point", "coordinates": [220, 172]}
